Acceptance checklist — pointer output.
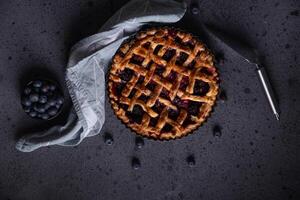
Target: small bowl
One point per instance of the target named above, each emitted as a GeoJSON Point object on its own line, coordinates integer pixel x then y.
{"type": "Point", "coordinates": [41, 95]}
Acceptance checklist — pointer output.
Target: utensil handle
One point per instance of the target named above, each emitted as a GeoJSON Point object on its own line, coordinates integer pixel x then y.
{"type": "Point", "coordinates": [268, 90]}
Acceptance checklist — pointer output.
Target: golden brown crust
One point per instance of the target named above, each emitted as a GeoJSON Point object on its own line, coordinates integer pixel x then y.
{"type": "Point", "coordinates": [177, 53]}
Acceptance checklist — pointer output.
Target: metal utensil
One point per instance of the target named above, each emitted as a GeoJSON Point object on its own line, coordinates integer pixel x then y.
{"type": "Point", "coordinates": [251, 56]}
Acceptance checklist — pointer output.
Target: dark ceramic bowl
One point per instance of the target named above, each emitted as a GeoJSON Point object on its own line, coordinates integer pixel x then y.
{"type": "Point", "coordinates": [42, 99]}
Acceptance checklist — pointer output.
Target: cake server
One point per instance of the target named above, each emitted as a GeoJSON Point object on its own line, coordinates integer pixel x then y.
{"type": "Point", "coordinates": [251, 56]}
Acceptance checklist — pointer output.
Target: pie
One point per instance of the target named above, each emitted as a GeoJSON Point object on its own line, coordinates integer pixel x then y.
{"type": "Point", "coordinates": [163, 83]}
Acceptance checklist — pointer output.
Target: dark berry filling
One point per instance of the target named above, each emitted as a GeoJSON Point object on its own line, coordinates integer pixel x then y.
{"type": "Point", "coordinates": [159, 70]}
{"type": "Point", "coordinates": [124, 106]}
{"type": "Point", "coordinates": [173, 114]}
{"type": "Point", "coordinates": [149, 64]}
{"type": "Point", "coordinates": [172, 76]}
{"type": "Point", "coordinates": [190, 44]}
{"type": "Point", "coordinates": [144, 98]}
{"type": "Point", "coordinates": [191, 65]}
{"type": "Point", "coordinates": [184, 83]}
{"type": "Point", "coordinates": [178, 40]}
{"type": "Point", "coordinates": [157, 48]}
{"type": "Point", "coordinates": [201, 88]}
{"type": "Point", "coordinates": [158, 107]}
{"type": "Point", "coordinates": [126, 74]}
{"type": "Point", "coordinates": [165, 94]}
{"type": "Point", "coordinates": [207, 71]}
{"type": "Point", "coordinates": [153, 122]}
{"type": "Point", "coordinates": [169, 54]}
{"type": "Point", "coordinates": [117, 88]}
{"type": "Point", "coordinates": [132, 93]}
{"type": "Point", "coordinates": [181, 103]}
{"type": "Point", "coordinates": [167, 128]}
{"type": "Point", "coordinates": [146, 45]}
{"type": "Point", "coordinates": [141, 80]}
{"type": "Point", "coordinates": [151, 85]}
{"type": "Point", "coordinates": [136, 115]}
{"type": "Point", "coordinates": [194, 107]}
{"type": "Point", "coordinates": [136, 59]}
{"type": "Point", "coordinates": [187, 121]}
{"type": "Point", "coordinates": [181, 58]}
{"type": "Point", "coordinates": [172, 32]}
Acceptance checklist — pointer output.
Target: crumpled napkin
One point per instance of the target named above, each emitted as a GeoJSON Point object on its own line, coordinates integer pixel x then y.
{"type": "Point", "coordinates": [88, 63]}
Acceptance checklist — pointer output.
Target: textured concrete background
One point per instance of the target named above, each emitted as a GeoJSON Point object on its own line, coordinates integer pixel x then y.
{"type": "Point", "coordinates": [255, 158]}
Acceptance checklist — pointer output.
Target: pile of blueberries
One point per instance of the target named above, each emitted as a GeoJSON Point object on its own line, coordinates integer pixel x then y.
{"type": "Point", "coordinates": [42, 99]}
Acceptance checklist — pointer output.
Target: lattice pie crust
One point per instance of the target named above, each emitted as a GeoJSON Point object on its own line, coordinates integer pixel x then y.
{"type": "Point", "coordinates": [163, 83]}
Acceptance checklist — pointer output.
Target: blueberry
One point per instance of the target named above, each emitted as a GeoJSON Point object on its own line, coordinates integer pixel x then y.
{"type": "Point", "coordinates": [191, 160]}
{"type": "Point", "coordinates": [39, 108]}
{"type": "Point", "coordinates": [223, 96]}
{"type": "Point", "coordinates": [34, 97]}
{"type": "Point", "coordinates": [52, 111]}
{"type": "Point", "coordinates": [27, 109]}
{"type": "Point", "coordinates": [26, 101]}
{"type": "Point", "coordinates": [27, 91]}
{"type": "Point", "coordinates": [36, 90]}
{"type": "Point", "coordinates": [49, 94]}
{"type": "Point", "coordinates": [52, 102]}
{"type": "Point", "coordinates": [33, 114]}
{"type": "Point", "coordinates": [45, 88]}
{"type": "Point", "coordinates": [43, 99]}
{"type": "Point", "coordinates": [37, 83]}
{"type": "Point", "coordinates": [135, 163]}
{"type": "Point", "coordinates": [46, 106]}
{"type": "Point", "coordinates": [58, 106]}
{"type": "Point", "coordinates": [108, 139]}
{"type": "Point", "coordinates": [45, 116]}
{"type": "Point", "coordinates": [39, 115]}
{"type": "Point", "coordinates": [35, 107]}
{"type": "Point", "coordinates": [60, 100]}
{"type": "Point", "coordinates": [194, 9]}
{"type": "Point", "coordinates": [217, 131]}
{"type": "Point", "coordinates": [139, 142]}
{"type": "Point", "coordinates": [52, 87]}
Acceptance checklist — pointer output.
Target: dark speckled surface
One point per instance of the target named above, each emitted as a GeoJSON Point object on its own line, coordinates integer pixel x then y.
{"type": "Point", "coordinates": [255, 158]}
